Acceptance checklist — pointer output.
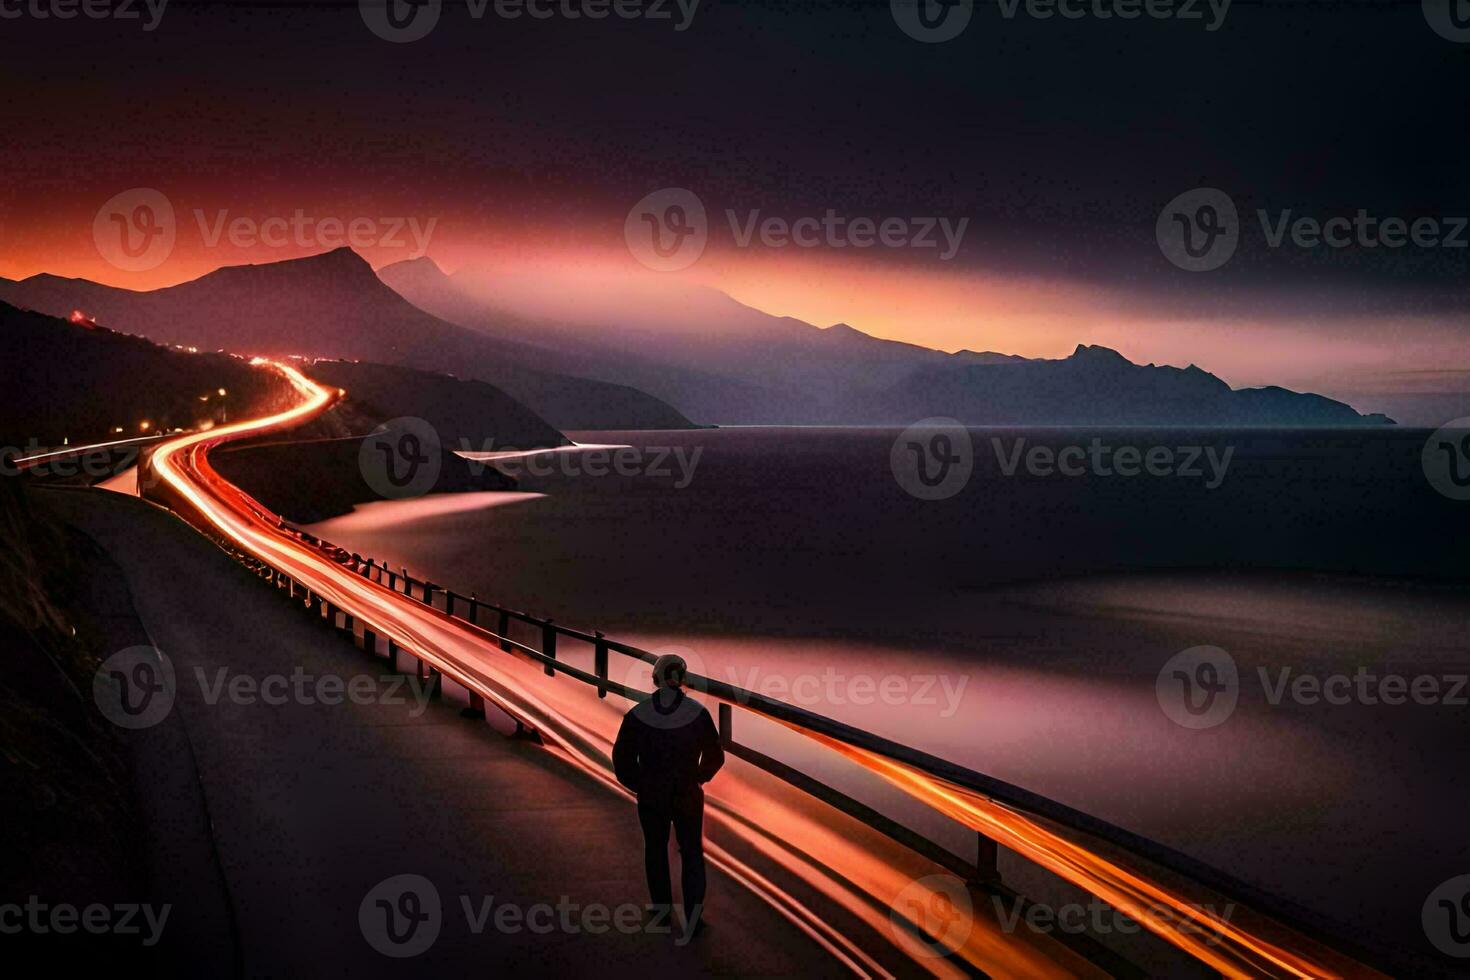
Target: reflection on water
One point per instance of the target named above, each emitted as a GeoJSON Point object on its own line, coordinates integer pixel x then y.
{"type": "Point", "coordinates": [794, 566]}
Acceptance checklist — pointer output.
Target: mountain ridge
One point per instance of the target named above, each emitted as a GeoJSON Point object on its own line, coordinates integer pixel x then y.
{"type": "Point", "coordinates": [743, 367]}
{"type": "Point", "coordinates": [264, 308]}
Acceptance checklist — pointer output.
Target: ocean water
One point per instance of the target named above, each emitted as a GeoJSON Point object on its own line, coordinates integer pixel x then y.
{"type": "Point", "coordinates": [1021, 624]}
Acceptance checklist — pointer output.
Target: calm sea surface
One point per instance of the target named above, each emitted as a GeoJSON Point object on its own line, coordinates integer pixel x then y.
{"type": "Point", "coordinates": [1019, 626]}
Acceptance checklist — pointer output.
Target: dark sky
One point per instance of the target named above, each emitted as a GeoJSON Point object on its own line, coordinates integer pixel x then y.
{"type": "Point", "coordinates": [1060, 139]}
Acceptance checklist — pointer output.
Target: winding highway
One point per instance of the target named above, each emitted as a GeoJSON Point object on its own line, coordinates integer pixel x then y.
{"type": "Point", "coordinates": [770, 837]}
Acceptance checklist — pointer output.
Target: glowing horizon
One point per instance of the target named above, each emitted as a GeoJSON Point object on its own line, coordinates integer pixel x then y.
{"type": "Point", "coordinates": [946, 306]}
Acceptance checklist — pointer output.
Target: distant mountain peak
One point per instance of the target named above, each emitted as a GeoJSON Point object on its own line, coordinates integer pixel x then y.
{"type": "Point", "coordinates": [337, 261]}
{"type": "Point", "coordinates": [1098, 353]}
{"type": "Point", "coordinates": [422, 265]}
{"type": "Point", "coordinates": [415, 274]}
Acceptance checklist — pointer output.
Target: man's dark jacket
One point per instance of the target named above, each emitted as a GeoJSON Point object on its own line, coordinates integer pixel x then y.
{"type": "Point", "coordinates": [665, 751]}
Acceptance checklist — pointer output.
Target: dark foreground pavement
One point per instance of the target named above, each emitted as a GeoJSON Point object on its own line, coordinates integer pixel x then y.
{"type": "Point", "coordinates": [271, 823]}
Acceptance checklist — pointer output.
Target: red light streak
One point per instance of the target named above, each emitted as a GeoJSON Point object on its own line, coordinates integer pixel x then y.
{"type": "Point", "coordinates": [863, 883]}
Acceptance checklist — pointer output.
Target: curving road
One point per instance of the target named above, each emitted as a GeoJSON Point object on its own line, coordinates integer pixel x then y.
{"type": "Point", "coordinates": [762, 833]}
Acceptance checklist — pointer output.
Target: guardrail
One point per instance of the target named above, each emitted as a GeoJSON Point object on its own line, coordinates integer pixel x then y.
{"type": "Point", "coordinates": [495, 621]}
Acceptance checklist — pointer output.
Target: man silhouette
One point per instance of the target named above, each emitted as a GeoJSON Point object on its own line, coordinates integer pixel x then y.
{"type": "Point", "coordinates": [667, 749]}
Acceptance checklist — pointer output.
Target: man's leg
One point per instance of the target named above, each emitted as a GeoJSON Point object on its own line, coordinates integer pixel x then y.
{"type": "Point", "coordinates": [689, 832]}
{"type": "Point", "coordinates": [655, 823]}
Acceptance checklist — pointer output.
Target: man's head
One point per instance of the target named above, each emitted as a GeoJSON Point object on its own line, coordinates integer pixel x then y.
{"type": "Point", "coordinates": [669, 671]}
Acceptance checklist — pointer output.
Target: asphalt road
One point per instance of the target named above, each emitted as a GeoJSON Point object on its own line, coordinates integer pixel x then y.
{"type": "Point", "coordinates": [312, 805]}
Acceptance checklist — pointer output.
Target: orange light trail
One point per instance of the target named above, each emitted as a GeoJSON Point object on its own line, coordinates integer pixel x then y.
{"type": "Point", "coordinates": [863, 882]}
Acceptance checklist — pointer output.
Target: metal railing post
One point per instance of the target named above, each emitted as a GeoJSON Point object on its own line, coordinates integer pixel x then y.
{"type": "Point", "coordinates": [987, 856]}
{"type": "Point", "coordinates": [599, 665]}
{"type": "Point", "coordinates": [504, 631]}
{"type": "Point", "coordinates": [727, 724]}
{"type": "Point", "coordinates": [474, 608]}
{"type": "Point", "coordinates": [548, 645]}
